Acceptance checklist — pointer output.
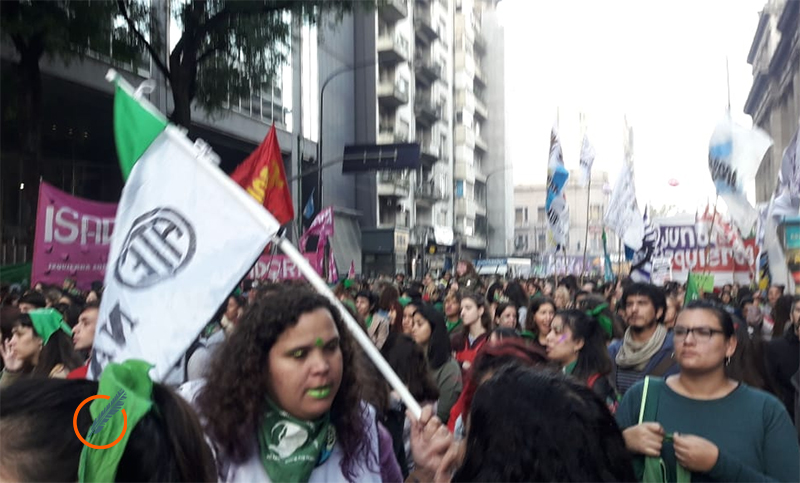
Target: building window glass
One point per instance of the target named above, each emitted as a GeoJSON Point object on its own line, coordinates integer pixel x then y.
{"type": "Point", "coordinates": [459, 188]}
{"type": "Point", "coordinates": [541, 215]}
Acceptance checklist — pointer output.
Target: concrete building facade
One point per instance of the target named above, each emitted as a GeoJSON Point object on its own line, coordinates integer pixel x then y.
{"type": "Point", "coordinates": [483, 176]}
{"type": "Point", "coordinates": [774, 99]}
{"type": "Point", "coordinates": [530, 218]}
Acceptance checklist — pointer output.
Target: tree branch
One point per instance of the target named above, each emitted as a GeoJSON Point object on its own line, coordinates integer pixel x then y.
{"type": "Point", "coordinates": [209, 53]}
{"type": "Point", "coordinates": [153, 53]}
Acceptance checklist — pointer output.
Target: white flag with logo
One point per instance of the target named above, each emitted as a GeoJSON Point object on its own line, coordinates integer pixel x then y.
{"type": "Point", "coordinates": [587, 160]}
{"type": "Point", "coordinates": [623, 215]}
{"type": "Point", "coordinates": [185, 235]}
{"type": "Point", "coordinates": [734, 155]}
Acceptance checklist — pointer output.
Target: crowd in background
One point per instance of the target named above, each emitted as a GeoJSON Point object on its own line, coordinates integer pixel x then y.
{"type": "Point", "coordinates": [522, 379]}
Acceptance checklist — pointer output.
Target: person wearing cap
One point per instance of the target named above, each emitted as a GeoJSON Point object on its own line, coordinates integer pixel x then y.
{"type": "Point", "coordinates": [40, 345]}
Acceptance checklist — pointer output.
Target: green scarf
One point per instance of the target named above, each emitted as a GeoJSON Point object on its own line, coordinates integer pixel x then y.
{"type": "Point", "coordinates": [291, 448]}
{"type": "Point", "coordinates": [527, 334]}
{"type": "Point", "coordinates": [368, 321]}
{"type": "Point", "coordinates": [47, 322]}
{"type": "Point", "coordinates": [451, 326]}
{"type": "Point", "coordinates": [132, 377]}
{"type": "Point", "coordinates": [569, 368]}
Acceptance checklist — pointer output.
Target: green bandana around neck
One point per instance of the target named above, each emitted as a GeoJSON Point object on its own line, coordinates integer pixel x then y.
{"type": "Point", "coordinates": [47, 322]}
{"type": "Point", "coordinates": [570, 368]}
{"type": "Point", "coordinates": [291, 448]}
{"type": "Point", "coordinates": [451, 326]}
{"type": "Point", "coordinates": [368, 321]}
{"type": "Point", "coordinates": [131, 377]}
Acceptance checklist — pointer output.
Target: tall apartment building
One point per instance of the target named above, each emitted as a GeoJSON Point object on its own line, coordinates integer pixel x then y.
{"type": "Point", "coordinates": [414, 97]}
{"type": "Point", "coordinates": [483, 176]}
{"type": "Point", "coordinates": [79, 156]}
{"type": "Point", "coordinates": [774, 99]}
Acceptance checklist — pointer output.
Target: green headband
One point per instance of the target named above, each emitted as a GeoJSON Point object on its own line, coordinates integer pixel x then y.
{"type": "Point", "coordinates": [128, 385]}
{"type": "Point", "coordinates": [47, 322]}
{"type": "Point", "coordinates": [602, 319]}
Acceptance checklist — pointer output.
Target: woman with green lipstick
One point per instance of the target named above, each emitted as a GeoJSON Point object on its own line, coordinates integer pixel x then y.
{"type": "Point", "coordinates": [282, 399]}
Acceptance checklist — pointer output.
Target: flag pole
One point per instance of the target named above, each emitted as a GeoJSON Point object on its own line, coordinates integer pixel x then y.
{"type": "Point", "coordinates": [361, 337]}
{"type": "Point", "coordinates": [265, 218]}
{"type": "Point", "coordinates": [586, 238]}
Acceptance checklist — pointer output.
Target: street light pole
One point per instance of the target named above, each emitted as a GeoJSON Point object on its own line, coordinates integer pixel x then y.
{"type": "Point", "coordinates": [333, 75]}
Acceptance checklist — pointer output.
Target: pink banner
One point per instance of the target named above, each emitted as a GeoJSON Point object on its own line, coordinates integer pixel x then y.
{"type": "Point", "coordinates": [322, 226]}
{"type": "Point", "coordinates": [72, 238]}
{"type": "Point", "coordinates": [280, 267]}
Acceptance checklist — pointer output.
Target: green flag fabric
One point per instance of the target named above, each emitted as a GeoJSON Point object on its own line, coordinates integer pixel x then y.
{"type": "Point", "coordinates": [696, 283]}
{"type": "Point", "coordinates": [142, 127]}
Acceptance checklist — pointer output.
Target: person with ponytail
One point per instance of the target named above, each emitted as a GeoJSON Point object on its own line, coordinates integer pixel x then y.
{"type": "Point", "coordinates": [576, 342]}
{"type": "Point", "coordinates": [162, 438]}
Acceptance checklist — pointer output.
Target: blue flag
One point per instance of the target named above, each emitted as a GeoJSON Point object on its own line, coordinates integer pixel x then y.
{"type": "Point", "coordinates": [308, 211]}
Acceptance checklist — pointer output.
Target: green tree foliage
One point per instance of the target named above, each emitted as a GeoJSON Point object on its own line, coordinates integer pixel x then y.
{"type": "Point", "coordinates": [227, 48]}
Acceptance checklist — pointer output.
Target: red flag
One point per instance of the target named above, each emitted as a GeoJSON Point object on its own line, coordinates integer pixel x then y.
{"type": "Point", "coordinates": [262, 175]}
{"type": "Point", "coordinates": [352, 273]}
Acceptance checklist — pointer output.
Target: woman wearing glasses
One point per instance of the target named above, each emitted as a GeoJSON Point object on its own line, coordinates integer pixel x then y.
{"type": "Point", "coordinates": [705, 423]}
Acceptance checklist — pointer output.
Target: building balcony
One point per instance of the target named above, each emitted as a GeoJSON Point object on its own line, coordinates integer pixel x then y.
{"type": "Point", "coordinates": [465, 136]}
{"type": "Point", "coordinates": [480, 109]}
{"type": "Point", "coordinates": [466, 208]}
{"type": "Point", "coordinates": [428, 193]}
{"type": "Point", "coordinates": [427, 111]}
{"type": "Point", "coordinates": [480, 144]}
{"type": "Point", "coordinates": [427, 71]}
{"type": "Point", "coordinates": [480, 207]}
{"type": "Point", "coordinates": [464, 171]}
{"type": "Point", "coordinates": [424, 27]}
{"type": "Point", "coordinates": [393, 184]}
{"type": "Point", "coordinates": [393, 93]}
{"type": "Point", "coordinates": [479, 44]}
{"type": "Point", "coordinates": [475, 241]}
{"type": "Point", "coordinates": [391, 134]}
{"type": "Point", "coordinates": [393, 10]}
{"type": "Point", "coordinates": [429, 154]}
{"type": "Point", "coordinates": [392, 48]}
{"type": "Point", "coordinates": [479, 76]}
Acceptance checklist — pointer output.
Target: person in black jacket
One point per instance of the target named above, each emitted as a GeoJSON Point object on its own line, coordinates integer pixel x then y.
{"type": "Point", "coordinates": [783, 359]}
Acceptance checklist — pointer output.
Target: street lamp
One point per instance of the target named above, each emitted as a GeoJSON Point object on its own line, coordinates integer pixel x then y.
{"type": "Point", "coordinates": [333, 75]}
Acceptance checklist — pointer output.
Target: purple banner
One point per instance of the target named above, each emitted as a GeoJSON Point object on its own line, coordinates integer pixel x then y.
{"type": "Point", "coordinates": [72, 238]}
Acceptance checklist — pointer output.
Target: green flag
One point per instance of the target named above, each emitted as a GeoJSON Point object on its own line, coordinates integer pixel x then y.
{"type": "Point", "coordinates": [697, 283]}
{"type": "Point", "coordinates": [142, 127]}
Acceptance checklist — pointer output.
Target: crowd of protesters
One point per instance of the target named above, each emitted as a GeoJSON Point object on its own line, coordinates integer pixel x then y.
{"type": "Point", "coordinates": [540, 379]}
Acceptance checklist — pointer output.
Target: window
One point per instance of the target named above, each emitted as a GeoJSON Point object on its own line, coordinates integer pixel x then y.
{"type": "Point", "coordinates": [541, 215]}
{"type": "Point", "coordinates": [518, 216]}
{"type": "Point", "coordinates": [459, 117]}
{"type": "Point", "coordinates": [541, 242]}
{"type": "Point", "coordinates": [596, 213]}
{"type": "Point", "coordinates": [459, 188]}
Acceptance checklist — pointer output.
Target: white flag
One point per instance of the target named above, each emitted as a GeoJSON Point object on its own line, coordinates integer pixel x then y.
{"type": "Point", "coordinates": [623, 215]}
{"type": "Point", "coordinates": [185, 234]}
{"type": "Point", "coordinates": [556, 201]}
{"type": "Point", "coordinates": [587, 160]}
{"type": "Point", "coordinates": [734, 155]}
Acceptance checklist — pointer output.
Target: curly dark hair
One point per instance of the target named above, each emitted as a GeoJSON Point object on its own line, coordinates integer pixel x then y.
{"type": "Point", "coordinates": [559, 429]}
{"type": "Point", "coordinates": [232, 402]}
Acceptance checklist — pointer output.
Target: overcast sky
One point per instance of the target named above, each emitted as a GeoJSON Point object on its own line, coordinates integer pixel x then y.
{"type": "Point", "coordinates": [660, 63]}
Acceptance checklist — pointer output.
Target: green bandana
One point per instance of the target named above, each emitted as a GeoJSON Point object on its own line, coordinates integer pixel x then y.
{"type": "Point", "coordinates": [404, 301]}
{"type": "Point", "coordinates": [291, 448]}
{"type": "Point", "coordinates": [569, 368]}
{"type": "Point", "coordinates": [368, 320]}
{"type": "Point", "coordinates": [47, 322]}
{"type": "Point", "coordinates": [602, 319]}
{"type": "Point", "coordinates": [526, 334]}
{"type": "Point", "coordinates": [348, 283]}
{"type": "Point", "coordinates": [451, 326]}
{"type": "Point", "coordinates": [131, 377]}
